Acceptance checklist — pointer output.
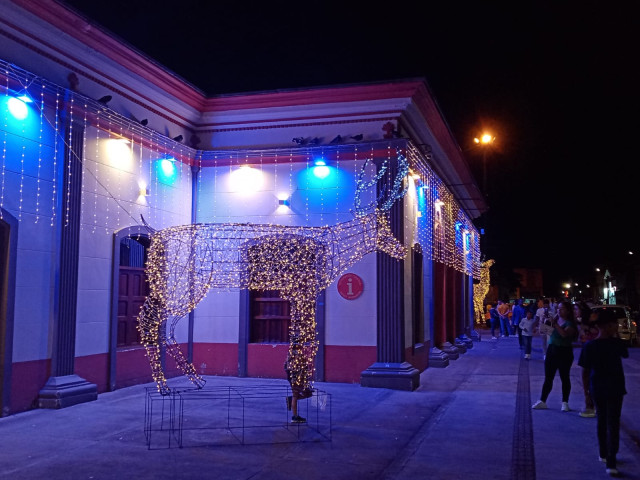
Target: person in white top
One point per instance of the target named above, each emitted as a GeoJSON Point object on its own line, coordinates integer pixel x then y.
{"type": "Point", "coordinates": [526, 326]}
{"type": "Point", "coordinates": [543, 315]}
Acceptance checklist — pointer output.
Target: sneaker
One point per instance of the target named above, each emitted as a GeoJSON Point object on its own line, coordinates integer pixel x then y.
{"type": "Point", "coordinates": [612, 472]}
{"type": "Point", "coordinates": [527, 356]}
{"type": "Point", "coordinates": [602, 459]}
{"type": "Point", "coordinates": [565, 407]}
{"type": "Point", "coordinates": [298, 419]}
{"type": "Point", "coordinates": [494, 338]}
{"type": "Point", "coordinates": [289, 399]}
{"type": "Point", "coordinates": [588, 413]}
{"type": "Point", "coordinates": [539, 405]}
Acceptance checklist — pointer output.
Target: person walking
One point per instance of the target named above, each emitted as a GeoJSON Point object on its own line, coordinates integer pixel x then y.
{"type": "Point", "coordinates": [526, 335]}
{"type": "Point", "coordinates": [559, 356]}
{"type": "Point", "coordinates": [601, 362]}
{"type": "Point", "coordinates": [543, 317]}
{"type": "Point", "coordinates": [494, 318]}
{"type": "Point", "coordinates": [503, 312]}
{"type": "Point", "coordinates": [587, 331]}
{"type": "Point", "coordinates": [293, 366]}
{"type": "Point", "coordinates": [517, 314]}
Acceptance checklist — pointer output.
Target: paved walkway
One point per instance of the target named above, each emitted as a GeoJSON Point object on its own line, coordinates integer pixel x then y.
{"type": "Point", "coordinates": [470, 420]}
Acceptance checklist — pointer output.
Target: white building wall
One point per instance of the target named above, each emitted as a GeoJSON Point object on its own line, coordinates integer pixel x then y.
{"type": "Point", "coordinates": [313, 201]}
{"type": "Point", "coordinates": [115, 171]}
{"type": "Point", "coordinates": [27, 193]}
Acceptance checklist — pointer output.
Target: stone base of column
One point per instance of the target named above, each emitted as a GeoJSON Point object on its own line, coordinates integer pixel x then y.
{"type": "Point", "coordinates": [438, 359]}
{"type": "Point", "coordinates": [475, 336]}
{"type": "Point", "coordinates": [460, 345]}
{"type": "Point", "coordinates": [450, 350]}
{"type": "Point", "coordinates": [466, 340]}
{"type": "Point", "coordinates": [395, 376]}
{"type": "Point", "coordinates": [65, 391]}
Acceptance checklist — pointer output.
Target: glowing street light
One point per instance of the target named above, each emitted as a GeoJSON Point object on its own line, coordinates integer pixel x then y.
{"type": "Point", "coordinates": [484, 140]}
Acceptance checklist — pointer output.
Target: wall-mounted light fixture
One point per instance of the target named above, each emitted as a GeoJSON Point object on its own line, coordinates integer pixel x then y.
{"type": "Point", "coordinates": [17, 104]}
{"type": "Point", "coordinates": [321, 170]}
{"type": "Point", "coordinates": [246, 180]}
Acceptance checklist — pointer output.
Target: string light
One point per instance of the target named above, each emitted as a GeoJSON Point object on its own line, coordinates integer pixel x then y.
{"type": "Point", "coordinates": [185, 262]}
{"type": "Point", "coordinates": [69, 165]}
{"type": "Point", "coordinates": [437, 233]}
{"type": "Point", "coordinates": [39, 154]}
{"type": "Point", "coordinates": [84, 169]}
{"type": "Point", "coordinates": [55, 161]}
{"type": "Point", "coordinates": [480, 291]}
{"type": "Point", "coordinates": [4, 145]}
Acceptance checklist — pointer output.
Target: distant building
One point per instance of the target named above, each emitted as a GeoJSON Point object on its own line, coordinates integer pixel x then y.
{"type": "Point", "coordinates": [531, 285]}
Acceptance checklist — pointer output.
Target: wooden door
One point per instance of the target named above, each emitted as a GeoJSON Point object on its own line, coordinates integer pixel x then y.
{"type": "Point", "coordinates": [132, 292]}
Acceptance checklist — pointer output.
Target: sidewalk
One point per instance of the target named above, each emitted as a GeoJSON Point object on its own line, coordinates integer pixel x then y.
{"type": "Point", "coordinates": [470, 420]}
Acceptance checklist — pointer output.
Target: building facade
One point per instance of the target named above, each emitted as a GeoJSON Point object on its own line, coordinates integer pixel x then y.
{"type": "Point", "coordinates": [102, 147]}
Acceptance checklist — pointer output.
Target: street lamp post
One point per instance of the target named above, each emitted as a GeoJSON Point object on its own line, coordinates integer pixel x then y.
{"type": "Point", "coordinates": [484, 140]}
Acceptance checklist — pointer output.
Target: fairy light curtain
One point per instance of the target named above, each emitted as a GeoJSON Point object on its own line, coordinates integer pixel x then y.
{"type": "Point", "coordinates": [128, 170]}
{"type": "Point", "coordinates": [131, 170]}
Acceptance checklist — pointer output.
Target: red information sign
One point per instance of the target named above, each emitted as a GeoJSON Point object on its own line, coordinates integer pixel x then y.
{"type": "Point", "coordinates": [350, 286]}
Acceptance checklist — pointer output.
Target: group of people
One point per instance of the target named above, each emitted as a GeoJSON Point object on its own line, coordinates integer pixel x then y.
{"type": "Point", "coordinates": [560, 325]}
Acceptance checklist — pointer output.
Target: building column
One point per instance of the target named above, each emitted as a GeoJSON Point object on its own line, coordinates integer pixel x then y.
{"type": "Point", "coordinates": [391, 370]}
{"type": "Point", "coordinates": [64, 388]}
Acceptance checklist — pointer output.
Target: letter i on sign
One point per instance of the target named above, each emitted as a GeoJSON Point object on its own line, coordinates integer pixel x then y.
{"type": "Point", "coordinates": [350, 286]}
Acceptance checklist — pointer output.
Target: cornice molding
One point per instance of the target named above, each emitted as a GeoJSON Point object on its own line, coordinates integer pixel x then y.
{"type": "Point", "coordinates": [77, 27]}
{"type": "Point", "coordinates": [334, 94]}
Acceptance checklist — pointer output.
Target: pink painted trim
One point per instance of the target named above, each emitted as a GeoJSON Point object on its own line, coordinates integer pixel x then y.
{"type": "Point", "coordinates": [272, 159]}
{"type": "Point", "coordinates": [359, 93]}
{"type": "Point", "coordinates": [307, 123]}
{"type": "Point", "coordinates": [111, 88]}
{"type": "Point", "coordinates": [431, 112]}
{"type": "Point", "coordinates": [77, 27]}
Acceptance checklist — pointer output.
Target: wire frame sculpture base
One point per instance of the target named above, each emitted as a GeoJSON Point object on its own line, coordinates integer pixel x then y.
{"type": "Point", "coordinates": [231, 415]}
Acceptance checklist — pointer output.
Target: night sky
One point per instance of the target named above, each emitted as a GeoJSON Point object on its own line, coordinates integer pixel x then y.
{"type": "Point", "coordinates": [552, 82]}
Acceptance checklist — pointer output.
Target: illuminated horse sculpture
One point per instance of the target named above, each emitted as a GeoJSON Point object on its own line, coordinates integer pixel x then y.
{"type": "Point", "coordinates": [481, 290]}
{"type": "Point", "coordinates": [185, 262]}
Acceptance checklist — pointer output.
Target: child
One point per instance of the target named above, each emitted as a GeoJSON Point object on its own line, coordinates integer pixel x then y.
{"type": "Point", "coordinates": [526, 326]}
{"type": "Point", "coordinates": [601, 364]}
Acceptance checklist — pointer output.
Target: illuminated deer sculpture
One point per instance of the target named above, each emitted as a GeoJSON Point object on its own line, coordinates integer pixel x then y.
{"type": "Point", "coordinates": [185, 262]}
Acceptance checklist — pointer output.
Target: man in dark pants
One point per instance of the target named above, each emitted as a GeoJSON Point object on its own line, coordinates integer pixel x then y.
{"type": "Point", "coordinates": [601, 364]}
{"type": "Point", "coordinates": [494, 318]}
{"type": "Point", "coordinates": [517, 314]}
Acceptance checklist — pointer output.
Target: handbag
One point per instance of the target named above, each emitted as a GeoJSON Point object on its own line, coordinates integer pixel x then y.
{"type": "Point", "coordinates": [306, 393]}
{"type": "Point", "coordinates": [546, 329]}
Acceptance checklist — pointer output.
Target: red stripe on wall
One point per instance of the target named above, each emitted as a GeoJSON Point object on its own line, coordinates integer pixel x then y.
{"type": "Point", "coordinates": [216, 358]}
{"type": "Point", "coordinates": [418, 357]}
{"type": "Point", "coordinates": [344, 364]}
{"type": "Point", "coordinates": [267, 360]}
{"type": "Point", "coordinates": [27, 379]}
{"type": "Point", "coordinates": [94, 368]}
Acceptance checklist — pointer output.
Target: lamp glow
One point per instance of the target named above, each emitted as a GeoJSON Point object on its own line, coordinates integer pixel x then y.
{"type": "Point", "coordinates": [246, 180]}
{"type": "Point", "coordinates": [119, 153]}
{"type": "Point", "coordinates": [18, 108]}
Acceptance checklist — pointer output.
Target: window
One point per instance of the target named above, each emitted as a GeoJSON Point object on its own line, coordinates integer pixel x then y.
{"type": "Point", "coordinates": [269, 317]}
